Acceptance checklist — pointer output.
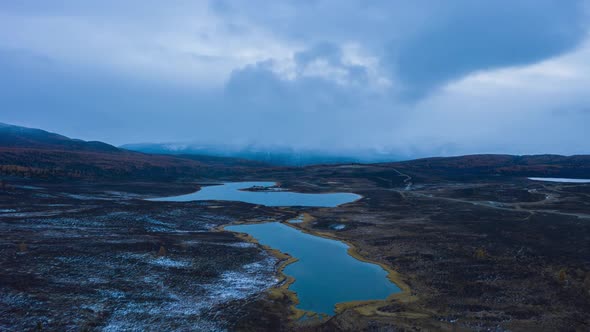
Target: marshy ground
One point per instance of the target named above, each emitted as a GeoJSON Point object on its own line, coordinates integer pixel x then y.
{"type": "Point", "coordinates": [486, 253]}
{"type": "Point", "coordinates": [74, 259]}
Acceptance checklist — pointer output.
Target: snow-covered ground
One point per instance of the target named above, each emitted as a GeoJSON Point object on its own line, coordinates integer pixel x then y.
{"type": "Point", "coordinates": [101, 266]}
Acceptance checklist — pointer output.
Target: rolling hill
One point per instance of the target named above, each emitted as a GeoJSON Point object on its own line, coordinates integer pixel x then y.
{"type": "Point", "coordinates": [37, 153]}
{"type": "Point", "coordinates": [461, 167]}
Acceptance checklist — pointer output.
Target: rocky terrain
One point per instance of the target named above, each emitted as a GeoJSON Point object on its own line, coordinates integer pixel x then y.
{"type": "Point", "coordinates": [502, 254]}
{"type": "Point", "coordinates": [74, 259]}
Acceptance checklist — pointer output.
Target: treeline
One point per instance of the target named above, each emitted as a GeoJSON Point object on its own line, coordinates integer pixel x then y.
{"type": "Point", "coordinates": [23, 171]}
{"type": "Point", "coordinates": [46, 172]}
{"type": "Point", "coordinates": [118, 171]}
{"type": "Point", "coordinates": [95, 172]}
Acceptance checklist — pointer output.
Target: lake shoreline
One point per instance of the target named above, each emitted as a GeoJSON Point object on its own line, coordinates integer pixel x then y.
{"type": "Point", "coordinates": [395, 277]}
{"type": "Point", "coordinates": [285, 281]}
{"type": "Point", "coordinates": [362, 306]}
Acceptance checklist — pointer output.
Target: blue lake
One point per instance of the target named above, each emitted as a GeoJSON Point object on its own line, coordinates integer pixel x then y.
{"type": "Point", "coordinates": [562, 180]}
{"type": "Point", "coordinates": [234, 192]}
{"type": "Point", "coordinates": [325, 274]}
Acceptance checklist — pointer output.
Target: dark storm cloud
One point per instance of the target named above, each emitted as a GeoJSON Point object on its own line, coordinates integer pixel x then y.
{"type": "Point", "coordinates": [481, 35]}
{"type": "Point", "coordinates": [427, 43]}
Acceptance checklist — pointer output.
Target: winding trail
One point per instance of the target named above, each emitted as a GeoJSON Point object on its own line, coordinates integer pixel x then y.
{"type": "Point", "coordinates": [407, 181]}
{"type": "Point", "coordinates": [512, 207]}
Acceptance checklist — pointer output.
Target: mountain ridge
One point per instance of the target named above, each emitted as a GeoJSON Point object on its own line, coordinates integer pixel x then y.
{"type": "Point", "coordinates": [35, 152]}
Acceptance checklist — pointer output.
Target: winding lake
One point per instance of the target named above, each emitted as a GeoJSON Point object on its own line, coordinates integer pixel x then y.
{"type": "Point", "coordinates": [233, 191]}
{"type": "Point", "coordinates": [325, 274]}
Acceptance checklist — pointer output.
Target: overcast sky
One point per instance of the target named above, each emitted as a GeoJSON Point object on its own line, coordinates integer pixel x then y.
{"type": "Point", "coordinates": [421, 77]}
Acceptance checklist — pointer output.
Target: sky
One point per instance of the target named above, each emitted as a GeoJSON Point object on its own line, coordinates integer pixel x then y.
{"type": "Point", "coordinates": [413, 78]}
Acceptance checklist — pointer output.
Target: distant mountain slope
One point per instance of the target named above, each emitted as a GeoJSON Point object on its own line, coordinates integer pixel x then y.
{"type": "Point", "coordinates": [21, 137]}
{"type": "Point", "coordinates": [38, 153]}
{"type": "Point", "coordinates": [277, 155]}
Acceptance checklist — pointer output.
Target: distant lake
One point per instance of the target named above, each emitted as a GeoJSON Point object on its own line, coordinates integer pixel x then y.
{"type": "Point", "coordinates": [564, 180]}
{"type": "Point", "coordinates": [325, 274]}
{"type": "Point", "coordinates": [233, 192]}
